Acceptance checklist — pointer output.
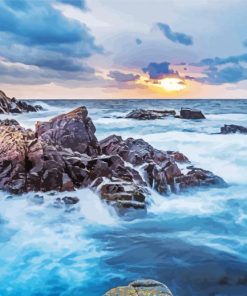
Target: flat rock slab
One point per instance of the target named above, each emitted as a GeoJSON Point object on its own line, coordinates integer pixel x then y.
{"type": "Point", "coordinates": [141, 288]}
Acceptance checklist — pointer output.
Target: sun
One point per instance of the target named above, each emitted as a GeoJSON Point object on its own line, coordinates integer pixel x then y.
{"type": "Point", "coordinates": [172, 84]}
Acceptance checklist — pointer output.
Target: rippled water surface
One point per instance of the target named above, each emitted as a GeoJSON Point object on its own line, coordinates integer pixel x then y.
{"type": "Point", "coordinates": [196, 243]}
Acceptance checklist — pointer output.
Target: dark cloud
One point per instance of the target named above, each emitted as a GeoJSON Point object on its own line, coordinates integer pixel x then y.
{"type": "Point", "coordinates": [176, 37]}
{"type": "Point", "coordinates": [222, 61]}
{"type": "Point", "coordinates": [229, 74]}
{"type": "Point", "coordinates": [76, 3]}
{"type": "Point", "coordinates": [123, 77]}
{"type": "Point", "coordinates": [138, 41]}
{"type": "Point", "coordinates": [41, 36]}
{"type": "Point", "coordinates": [158, 70]}
{"type": "Point", "coordinates": [219, 70]}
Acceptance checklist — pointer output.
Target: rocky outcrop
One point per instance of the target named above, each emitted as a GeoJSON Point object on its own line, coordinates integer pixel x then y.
{"type": "Point", "coordinates": [233, 129]}
{"type": "Point", "coordinates": [8, 105]}
{"type": "Point", "coordinates": [187, 113]}
{"type": "Point", "coordinates": [74, 130]}
{"type": "Point", "coordinates": [160, 169]}
{"type": "Point", "coordinates": [64, 154]}
{"type": "Point", "coordinates": [141, 114]}
{"type": "Point", "coordinates": [141, 287]}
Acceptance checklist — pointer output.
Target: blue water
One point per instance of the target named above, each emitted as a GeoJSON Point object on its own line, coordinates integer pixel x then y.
{"type": "Point", "coordinates": [196, 243]}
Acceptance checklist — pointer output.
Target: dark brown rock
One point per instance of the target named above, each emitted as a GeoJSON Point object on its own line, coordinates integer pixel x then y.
{"type": "Point", "coordinates": [187, 113]}
{"type": "Point", "coordinates": [233, 129]}
{"type": "Point", "coordinates": [74, 130]}
{"type": "Point", "coordinates": [141, 114]}
{"type": "Point", "coordinates": [8, 105]}
{"type": "Point", "coordinates": [9, 122]}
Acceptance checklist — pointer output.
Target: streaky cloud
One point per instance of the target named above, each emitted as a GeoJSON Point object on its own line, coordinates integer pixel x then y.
{"type": "Point", "coordinates": [175, 37]}
{"type": "Point", "coordinates": [123, 77]}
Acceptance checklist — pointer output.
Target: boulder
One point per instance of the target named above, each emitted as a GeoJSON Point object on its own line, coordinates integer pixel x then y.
{"type": "Point", "coordinates": [187, 113]}
{"type": "Point", "coordinates": [8, 105]}
{"type": "Point", "coordinates": [74, 130]}
{"type": "Point", "coordinates": [233, 129]}
{"type": "Point", "coordinates": [141, 287]}
{"type": "Point", "coordinates": [141, 114]}
{"type": "Point", "coordinates": [9, 122]}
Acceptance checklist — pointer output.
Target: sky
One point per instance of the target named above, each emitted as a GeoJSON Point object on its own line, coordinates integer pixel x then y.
{"type": "Point", "coordinates": [117, 49]}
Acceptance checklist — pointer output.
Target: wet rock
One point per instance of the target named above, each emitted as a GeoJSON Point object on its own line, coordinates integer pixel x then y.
{"type": "Point", "coordinates": [233, 129]}
{"type": "Point", "coordinates": [37, 199]}
{"type": "Point", "coordinates": [187, 113]}
{"type": "Point", "coordinates": [141, 114]}
{"type": "Point", "coordinates": [74, 130]}
{"type": "Point", "coordinates": [135, 151]}
{"type": "Point", "coordinates": [161, 169]}
{"type": "Point", "coordinates": [8, 105]}
{"type": "Point", "coordinates": [9, 122]}
{"type": "Point", "coordinates": [64, 154]}
{"type": "Point", "coordinates": [197, 177]}
{"type": "Point", "coordinates": [70, 200]}
{"type": "Point", "coordinates": [141, 287]}
{"type": "Point", "coordinates": [123, 196]}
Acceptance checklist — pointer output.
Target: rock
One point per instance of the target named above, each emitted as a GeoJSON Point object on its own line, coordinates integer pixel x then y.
{"type": "Point", "coordinates": [233, 129]}
{"type": "Point", "coordinates": [141, 287]}
{"type": "Point", "coordinates": [141, 114]}
{"type": "Point", "coordinates": [9, 122]}
{"type": "Point", "coordinates": [197, 177]}
{"type": "Point", "coordinates": [8, 105]}
{"type": "Point", "coordinates": [161, 169]}
{"type": "Point", "coordinates": [134, 151]}
{"type": "Point", "coordinates": [74, 130]}
{"type": "Point", "coordinates": [187, 113]}
{"type": "Point", "coordinates": [63, 154]}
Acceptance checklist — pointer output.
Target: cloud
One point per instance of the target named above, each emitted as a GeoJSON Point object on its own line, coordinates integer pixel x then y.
{"type": "Point", "coordinates": [175, 37]}
{"type": "Point", "coordinates": [76, 3]}
{"type": "Point", "coordinates": [222, 61]}
{"type": "Point", "coordinates": [123, 77]}
{"type": "Point", "coordinates": [138, 41]}
{"type": "Point", "coordinates": [158, 70]}
{"type": "Point", "coordinates": [231, 69]}
{"type": "Point", "coordinates": [228, 74]}
{"type": "Point", "coordinates": [41, 36]}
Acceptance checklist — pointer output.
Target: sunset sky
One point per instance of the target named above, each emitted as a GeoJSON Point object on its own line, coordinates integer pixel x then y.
{"type": "Point", "coordinates": [123, 48]}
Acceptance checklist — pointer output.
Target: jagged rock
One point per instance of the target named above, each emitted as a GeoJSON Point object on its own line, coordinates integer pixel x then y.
{"type": "Point", "coordinates": [8, 105]}
{"type": "Point", "coordinates": [74, 130]}
{"type": "Point", "coordinates": [135, 151]}
{"type": "Point", "coordinates": [9, 122]}
{"type": "Point", "coordinates": [233, 129]}
{"type": "Point", "coordinates": [161, 169]}
{"type": "Point", "coordinates": [141, 287]}
{"type": "Point", "coordinates": [141, 114]}
{"type": "Point", "coordinates": [187, 113]}
{"type": "Point", "coordinates": [197, 177]}
{"type": "Point", "coordinates": [64, 154]}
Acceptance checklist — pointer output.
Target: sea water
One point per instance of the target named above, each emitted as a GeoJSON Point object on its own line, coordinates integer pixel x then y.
{"type": "Point", "coordinates": [196, 243]}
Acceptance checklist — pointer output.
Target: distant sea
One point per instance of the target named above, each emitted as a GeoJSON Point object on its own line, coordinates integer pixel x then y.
{"type": "Point", "coordinates": [196, 243]}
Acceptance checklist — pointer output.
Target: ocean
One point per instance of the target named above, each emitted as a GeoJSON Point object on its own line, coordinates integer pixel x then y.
{"type": "Point", "coordinates": [195, 243]}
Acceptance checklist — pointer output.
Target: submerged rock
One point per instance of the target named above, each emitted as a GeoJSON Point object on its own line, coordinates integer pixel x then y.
{"type": "Point", "coordinates": [8, 105]}
{"type": "Point", "coordinates": [187, 113]}
{"type": "Point", "coordinates": [141, 287]}
{"type": "Point", "coordinates": [142, 114]}
{"type": "Point", "coordinates": [233, 129]}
